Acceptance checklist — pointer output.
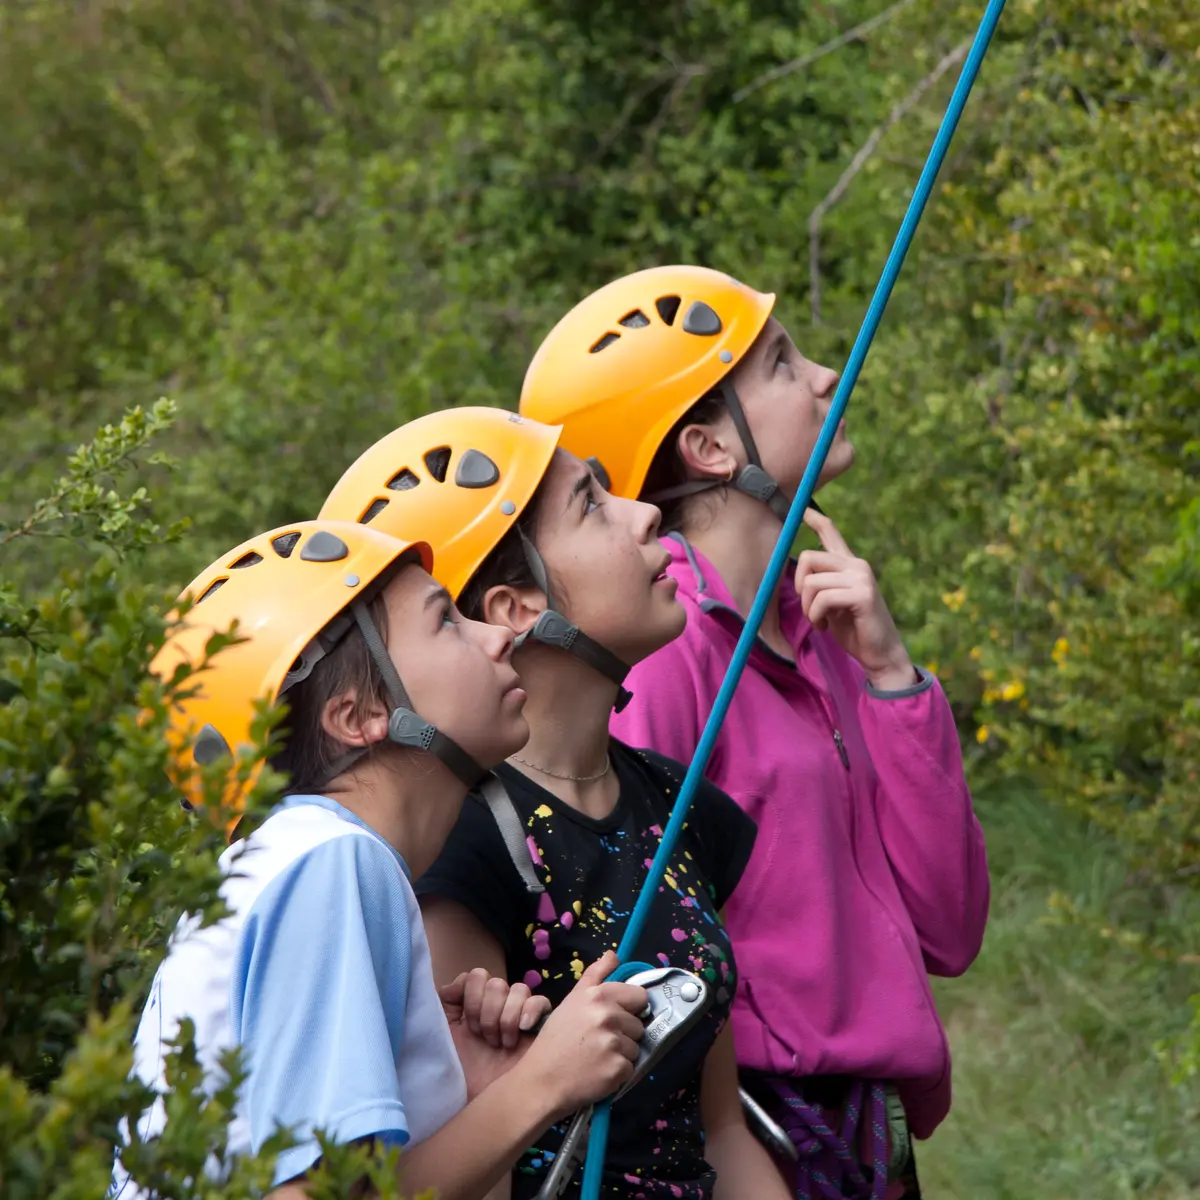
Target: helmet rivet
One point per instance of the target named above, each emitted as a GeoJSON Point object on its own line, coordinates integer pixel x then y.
{"type": "Point", "coordinates": [351, 581]}
{"type": "Point", "coordinates": [508, 508]}
{"type": "Point", "coordinates": [725, 356]}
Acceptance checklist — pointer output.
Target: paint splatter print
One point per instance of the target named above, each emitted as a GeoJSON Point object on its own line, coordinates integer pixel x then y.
{"type": "Point", "coordinates": [592, 871]}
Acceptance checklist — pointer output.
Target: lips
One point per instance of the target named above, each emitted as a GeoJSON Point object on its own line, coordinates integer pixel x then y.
{"type": "Point", "coordinates": [662, 573]}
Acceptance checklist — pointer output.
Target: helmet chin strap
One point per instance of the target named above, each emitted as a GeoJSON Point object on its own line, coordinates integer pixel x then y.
{"type": "Point", "coordinates": [406, 727]}
{"type": "Point", "coordinates": [553, 629]}
{"type": "Point", "coordinates": [752, 480]}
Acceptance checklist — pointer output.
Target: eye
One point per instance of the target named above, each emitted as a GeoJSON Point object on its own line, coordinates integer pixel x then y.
{"type": "Point", "coordinates": [590, 503]}
{"type": "Point", "coordinates": [449, 615]}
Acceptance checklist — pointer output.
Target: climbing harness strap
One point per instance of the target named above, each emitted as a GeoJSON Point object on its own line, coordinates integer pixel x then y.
{"type": "Point", "coordinates": [508, 821]}
{"type": "Point", "coordinates": [594, 1167]}
{"type": "Point", "coordinates": [829, 1160]}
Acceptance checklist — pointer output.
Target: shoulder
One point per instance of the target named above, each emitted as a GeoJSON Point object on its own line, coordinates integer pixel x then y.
{"type": "Point", "coordinates": [667, 775]}
{"type": "Point", "coordinates": [288, 838]}
{"type": "Point", "coordinates": [721, 833]}
{"type": "Point", "coordinates": [347, 885]}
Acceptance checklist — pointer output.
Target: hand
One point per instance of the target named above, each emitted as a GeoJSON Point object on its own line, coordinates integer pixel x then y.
{"type": "Point", "coordinates": [492, 1008]}
{"type": "Point", "coordinates": [587, 1048]}
{"type": "Point", "coordinates": [485, 1019]}
{"type": "Point", "coordinates": [839, 592]}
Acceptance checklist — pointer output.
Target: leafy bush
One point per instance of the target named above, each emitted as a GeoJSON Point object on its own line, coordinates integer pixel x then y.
{"type": "Point", "coordinates": [98, 860]}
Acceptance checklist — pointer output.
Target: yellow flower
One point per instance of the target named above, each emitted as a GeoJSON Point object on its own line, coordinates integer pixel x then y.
{"type": "Point", "coordinates": [976, 652]}
{"type": "Point", "coordinates": [1013, 691]}
{"type": "Point", "coordinates": [1060, 651]}
{"type": "Point", "coordinates": [955, 600]}
{"type": "Point", "coordinates": [982, 734]}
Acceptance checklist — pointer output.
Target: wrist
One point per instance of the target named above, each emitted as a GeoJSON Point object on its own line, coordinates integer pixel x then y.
{"type": "Point", "coordinates": [537, 1085]}
{"type": "Point", "coordinates": [895, 676]}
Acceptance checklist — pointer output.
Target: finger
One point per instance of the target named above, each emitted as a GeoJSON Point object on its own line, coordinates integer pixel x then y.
{"type": "Point", "coordinates": [813, 562]}
{"type": "Point", "coordinates": [628, 1026]}
{"type": "Point", "coordinates": [830, 603]}
{"type": "Point", "coordinates": [826, 531]}
{"type": "Point", "coordinates": [495, 996]}
{"type": "Point", "coordinates": [510, 1014]}
{"type": "Point", "coordinates": [630, 998]}
{"type": "Point", "coordinates": [473, 993]}
{"type": "Point", "coordinates": [535, 1009]}
{"type": "Point", "coordinates": [625, 1046]}
{"type": "Point", "coordinates": [452, 992]}
{"type": "Point", "coordinates": [820, 583]}
{"type": "Point", "coordinates": [598, 971]}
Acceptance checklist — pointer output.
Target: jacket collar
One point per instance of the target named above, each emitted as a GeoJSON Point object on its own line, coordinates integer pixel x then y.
{"type": "Point", "coordinates": [702, 582]}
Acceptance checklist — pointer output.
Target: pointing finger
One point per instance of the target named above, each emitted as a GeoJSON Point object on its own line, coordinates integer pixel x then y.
{"type": "Point", "coordinates": [826, 531]}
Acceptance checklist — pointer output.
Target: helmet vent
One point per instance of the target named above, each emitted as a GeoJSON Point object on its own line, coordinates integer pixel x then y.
{"type": "Point", "coordinates": [667, 307]}
{"type": "Point", "coordinates": [373, 510]}
{"type": "Point", "coordinates": [438, 462]}
{"type": "Point", "coordinates": [701, 320]}
{"type": "Point", "coordinates": [604, 343]}
{"type": "Point", "coordinates": [247, 560]}
{"type": "Point", "coordinates": [212, 587]}
{"type": "Point", "coordinates": [402, 481]}
{"type": "Point", "coordinates": [635, 320]}
{"type": "Point", "coordinates": [284, 544]}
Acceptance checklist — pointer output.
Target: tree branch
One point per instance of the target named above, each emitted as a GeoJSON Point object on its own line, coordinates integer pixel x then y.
{"type": "Point", "coordinates": [798, 64]}
{"type": "Point", "coordinates": [864, 152]}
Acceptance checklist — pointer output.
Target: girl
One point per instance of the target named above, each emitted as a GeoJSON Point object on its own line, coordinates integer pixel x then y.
{"type": "Point", "coordinates": [869, 870]}
{"type": "Point", "coordinates": [532, 543]}
{"type": "Point", "coordinates": [321, 971]}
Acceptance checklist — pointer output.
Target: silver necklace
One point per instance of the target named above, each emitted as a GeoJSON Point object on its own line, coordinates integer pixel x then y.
{"type": "Point", "coordinates": [573, 778]}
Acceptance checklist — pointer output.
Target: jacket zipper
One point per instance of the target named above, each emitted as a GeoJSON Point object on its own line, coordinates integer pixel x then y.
{"type": "Point", "coordinates": [841, 748]}
{"type": "Point", "coordinates": [792, 669]}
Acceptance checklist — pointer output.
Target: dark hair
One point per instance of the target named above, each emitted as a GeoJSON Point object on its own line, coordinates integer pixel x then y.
{"type": "Point", "coordinates": [308, 751]}
{"type": "Point", "coordinates": [668, 470]}
{"type": "Point", "coordinates": [508, 564]}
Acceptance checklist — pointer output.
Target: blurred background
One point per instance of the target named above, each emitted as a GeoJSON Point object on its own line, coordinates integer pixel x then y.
{"type": "Point", "coordinates": [305, 221]}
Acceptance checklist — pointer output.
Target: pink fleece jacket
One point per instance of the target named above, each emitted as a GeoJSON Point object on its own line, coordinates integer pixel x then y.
{"type": "Point", "coordinates": [869, 872]}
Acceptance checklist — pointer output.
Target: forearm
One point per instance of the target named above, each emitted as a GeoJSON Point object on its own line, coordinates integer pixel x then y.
{"type": "Point", "coordinates": [471, 1156]}
{"type": "Point", "coordinates": [745, 1171]}
{"type": "Point", "coordinates": [475, 1151]}
{"type": "Point", "coordinates": [927, 822]}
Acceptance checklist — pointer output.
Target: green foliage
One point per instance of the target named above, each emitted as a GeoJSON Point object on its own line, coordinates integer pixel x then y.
{"type": "Point", "coordinates": [97, 861]}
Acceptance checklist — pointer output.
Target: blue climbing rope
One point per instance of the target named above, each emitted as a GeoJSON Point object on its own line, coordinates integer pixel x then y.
{"type": "Point", "coordinates": [598, 1137]}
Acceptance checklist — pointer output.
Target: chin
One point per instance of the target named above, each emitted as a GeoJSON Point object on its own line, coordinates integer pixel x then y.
{"type": "Point", "coordinates": [659, 633]}
{"type": "Point", "coordinates": [507, 738]}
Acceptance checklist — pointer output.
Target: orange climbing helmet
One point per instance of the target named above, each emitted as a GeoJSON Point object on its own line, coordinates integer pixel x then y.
{"type": "Point", "coordinates": [461, 475]}
{"type": "Point", "coordinates": [464, 476]}
{"type": "Point", "coordinates": [294, 592]}
{"type": "Point", "coordinates": [621, 368]}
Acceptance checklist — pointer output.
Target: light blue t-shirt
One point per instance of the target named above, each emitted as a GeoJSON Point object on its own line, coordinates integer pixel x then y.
{"type": "Point", "coordinates": [321, 973]}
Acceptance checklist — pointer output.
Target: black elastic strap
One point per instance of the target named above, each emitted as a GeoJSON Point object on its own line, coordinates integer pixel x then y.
{"type": "Point", "coordinates": [407, 727]}
{"type": "Point", "coordinates": [751, 480]}
{"type": "Point", "coordinates": [553, 629]}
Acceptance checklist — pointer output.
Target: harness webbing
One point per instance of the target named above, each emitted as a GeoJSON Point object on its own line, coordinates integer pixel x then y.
{"type": "Point", "coordinates": [598, 1139]}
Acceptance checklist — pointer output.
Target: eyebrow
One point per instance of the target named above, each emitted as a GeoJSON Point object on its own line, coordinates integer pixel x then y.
{"type": "Point", "coordinates": [437, 595]}
{"type": "Point", "coordinates": [773, 347]}
{"type": "Point", "coordinates": [581, 484]}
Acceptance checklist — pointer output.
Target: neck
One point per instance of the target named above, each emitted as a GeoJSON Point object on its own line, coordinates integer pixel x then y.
{"type": "Point", "coordinates": [738, 536]}
{"type": "Point", "coordinates": [568, 709]}
{"type": "Point", "coordinates": [410, 799]}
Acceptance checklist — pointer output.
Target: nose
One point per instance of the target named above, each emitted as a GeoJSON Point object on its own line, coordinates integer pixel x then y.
{"type": "Point", "coordinates": [647, 519]}
{"type": "Point", "coordinates": [497, 640]}
{"type": "Point", "coordinates": [827, 381]}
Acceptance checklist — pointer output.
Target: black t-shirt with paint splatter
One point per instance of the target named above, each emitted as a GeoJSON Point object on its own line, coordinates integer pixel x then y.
{"type": "Point", "coordinates": [593, 871]}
